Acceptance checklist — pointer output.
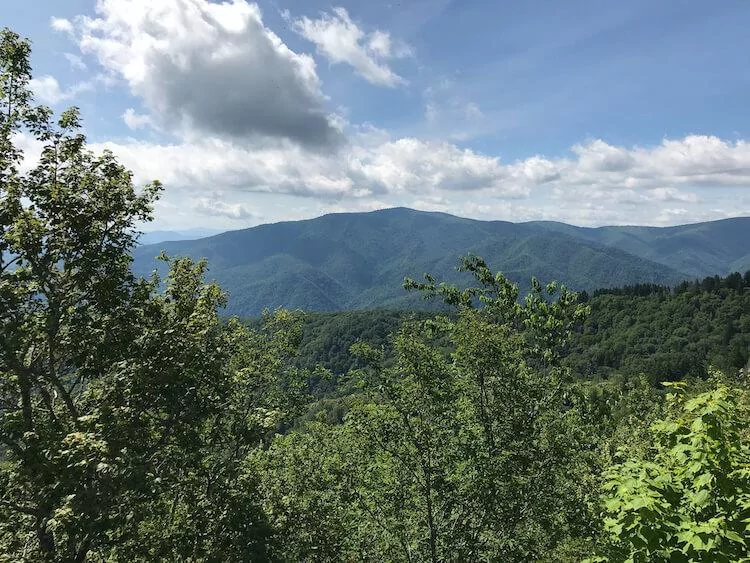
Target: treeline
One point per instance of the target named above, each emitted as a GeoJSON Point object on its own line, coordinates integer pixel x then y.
{"type": "Point", "coordinates": [137, 424]}
{"type": "Point", "coordinates": [734, 281]}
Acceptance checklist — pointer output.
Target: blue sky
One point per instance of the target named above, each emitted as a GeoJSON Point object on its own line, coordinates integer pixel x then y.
{"type": "Point", "coordinates": [589, 113]}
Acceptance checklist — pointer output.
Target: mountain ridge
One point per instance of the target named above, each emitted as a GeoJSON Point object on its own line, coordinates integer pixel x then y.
{"type": "Point", "coordinates": [358, 260]}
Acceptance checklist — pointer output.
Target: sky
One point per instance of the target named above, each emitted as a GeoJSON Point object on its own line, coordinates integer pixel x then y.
{"type": "Point", "coordinates": [591, 113]}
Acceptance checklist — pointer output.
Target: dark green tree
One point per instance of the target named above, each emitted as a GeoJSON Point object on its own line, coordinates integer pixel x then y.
{"type": "Point", "coordinates": [127, 407]}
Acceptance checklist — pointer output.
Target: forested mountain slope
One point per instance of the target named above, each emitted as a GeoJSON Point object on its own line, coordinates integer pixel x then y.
{"type": "Point", "coordinates": [661, 332]}
{"type": "Point", "coordinates": [700, 249]}
{"type": "Point", "coordinates": [358, 260]}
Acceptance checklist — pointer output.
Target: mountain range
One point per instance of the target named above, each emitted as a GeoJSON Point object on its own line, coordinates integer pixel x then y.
{"type": "Point", "coordinates": [359, 260]}
{"type": "Point", "coordinates": [154, 237]}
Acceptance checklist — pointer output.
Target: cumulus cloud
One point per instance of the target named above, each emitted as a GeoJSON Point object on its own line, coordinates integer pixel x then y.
{"type": "Point", "coordinates": [340, 40]}
{"type": "Point", "coordinates": [136, 120]}
{"type": "Point", "coordinates": [61, 24]}
{"type": "Point", "coordinates": [209, 68]}
{"type": "Point", "coordinates": [695, 160]}
{"type": "Point", "coordinates": [418, 166]}
{"type": "Point", "coordinates": [363, 170]}
{"type": "Point", "coordinates": [31, 150]}
{"type": "Point", "coordinates": [382, 173]}
{"type": "Point", "coordinates": [658, 195]}
{"type": "Point", "coordinates": [601, 183]}
{"type": "Point", "coordinates": [47, 89]}
{"type": "Point", "coordinates": [409, 165]}
{"type": "Point", "coordinates": [289, 169]}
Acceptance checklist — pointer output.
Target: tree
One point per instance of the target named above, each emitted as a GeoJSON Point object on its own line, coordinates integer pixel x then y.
{"type": "Point", "coordinates": [462, 446]}
{"type": "Point", "coordinates": [514, 407]}
{"type": "Point", "coordinates": [688, 499]}
{"type": "Point", "coordinates": [127, 406]}
{"type": "Point", "coordinates": [69, 309]}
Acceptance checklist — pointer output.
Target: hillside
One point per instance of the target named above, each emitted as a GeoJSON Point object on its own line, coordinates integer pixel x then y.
{"type": "Point", "coordinates": [660, 332]}
{"type": "Point", "coordinates": [358, 260]}
{"type": "Point", "coordinates": [700, 249]}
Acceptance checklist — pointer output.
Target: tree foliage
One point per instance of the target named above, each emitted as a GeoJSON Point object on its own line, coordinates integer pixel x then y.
{"type": "Point", "coordinates": [652, 331]}
{"type": "Point", "coordinates": [125, 411]}
{"type": "Point", "coordinates": [688, 499]}
{"type": "Point", "coordinates": [456, 455]}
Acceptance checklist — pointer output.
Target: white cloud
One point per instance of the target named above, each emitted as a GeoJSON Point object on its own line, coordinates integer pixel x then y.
{"type": "Point", "coordinates": [671, 194]}
{"type": "Point", "coordinates": [363, 170]}
{"type": "Point", "coordinates": [341, 40]}
{"type": "Point", "coordinates": [374, 164]}
{"type": "Point", "coordinates": [207, 68]}
{"type": "Point", "coordinates": [219, 179]}
{"type": "Point", "coordinates": [136, 120]}
{"type": "Point", "coordinates": [695, 160]}
{"type": "Point", "coordinates": [417, 166]}
{"type": "Point", "coordinates": [379, 43]}
{"type": "Point", "coordinates": [76, 62]}
{"type": "Point", "coordinates": [601, 184]}
{"type": "Point", "coordinates": [61, 24]}
{"type": "Point", "coordinates": [30, 148]}
{"type": "Point", "coordinates": [217, 208]}
{"type": "Point", "coordinates": [47, 89]}
{"type": "Point", "coordinates": [220, 164]}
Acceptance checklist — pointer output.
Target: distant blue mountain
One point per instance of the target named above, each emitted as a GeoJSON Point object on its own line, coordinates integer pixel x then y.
{"type": "Point", "coordinates": [154, 237]}
{"type": "Point", "coordinates": [358, 260]}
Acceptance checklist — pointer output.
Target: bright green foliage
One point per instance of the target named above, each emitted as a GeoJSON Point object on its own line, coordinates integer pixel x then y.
{"type": "Point", "coordinates": [308, 483]}
{"type": "Point", "coordinates": [689, 499]}
{"type": "Point", "coordinates": [69, 313]}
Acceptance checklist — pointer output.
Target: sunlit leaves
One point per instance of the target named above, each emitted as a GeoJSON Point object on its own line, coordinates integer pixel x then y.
{"type": "Point", "coordinates": [690, 499]}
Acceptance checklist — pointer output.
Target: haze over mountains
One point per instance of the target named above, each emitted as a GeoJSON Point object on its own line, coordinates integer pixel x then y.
{"type": "Point", "coordinates": [359, 260]}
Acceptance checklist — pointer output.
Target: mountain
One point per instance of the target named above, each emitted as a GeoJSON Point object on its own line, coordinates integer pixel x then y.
{"type": "Point", "coordinates": [699, 249]}
{"type": "Point", "coordinates": [154, 237]}
{"type": "Point", "coordinates": [359, 260]}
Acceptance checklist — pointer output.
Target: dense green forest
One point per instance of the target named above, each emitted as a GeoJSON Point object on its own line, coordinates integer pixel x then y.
{"type": "Point", "coordinates": [661, 332]}
{"type": "Point", "coordinates": [139, 423]}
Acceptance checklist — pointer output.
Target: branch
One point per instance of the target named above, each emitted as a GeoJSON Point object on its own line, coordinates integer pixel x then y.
{"type": "Point", "coordinates": [10, 263]}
